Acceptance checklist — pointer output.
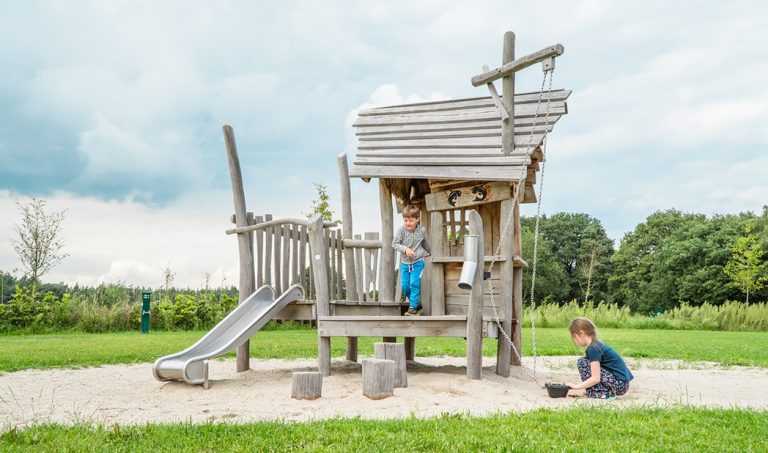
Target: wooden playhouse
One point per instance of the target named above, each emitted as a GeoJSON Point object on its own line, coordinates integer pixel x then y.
{"type": "Point", "coordinates": [468, 164]}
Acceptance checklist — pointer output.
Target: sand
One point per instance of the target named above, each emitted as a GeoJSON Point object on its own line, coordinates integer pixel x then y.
{"type": "Point", "coordinates": [128, 394]}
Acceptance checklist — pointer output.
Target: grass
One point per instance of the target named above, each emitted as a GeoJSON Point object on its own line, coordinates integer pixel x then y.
{"type": "Point", "coordinates": [578, 429]}
{"type": "Point", "coordinates": [77, 350]}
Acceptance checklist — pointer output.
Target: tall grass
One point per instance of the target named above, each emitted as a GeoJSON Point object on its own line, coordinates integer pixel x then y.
{"type": "Point", "coordinates": [117, 308]}
{"type": "Point", "coordinates": [733, 316]}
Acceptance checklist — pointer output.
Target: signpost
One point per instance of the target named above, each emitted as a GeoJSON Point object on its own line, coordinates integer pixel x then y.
{"type": "Point", "coordinates": [146, 298]}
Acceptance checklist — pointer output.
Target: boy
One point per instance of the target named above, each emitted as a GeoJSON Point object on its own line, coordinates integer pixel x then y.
{"type": "Point", "coordinates": [412, 244]}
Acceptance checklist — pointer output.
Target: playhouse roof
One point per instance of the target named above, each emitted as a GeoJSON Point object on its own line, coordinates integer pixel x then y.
{"type": "Point", "coordinates": [456, 139]}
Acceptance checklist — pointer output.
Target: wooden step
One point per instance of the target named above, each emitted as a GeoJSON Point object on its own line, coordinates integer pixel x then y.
{"type": "Point", "coordinates": [397, 326]}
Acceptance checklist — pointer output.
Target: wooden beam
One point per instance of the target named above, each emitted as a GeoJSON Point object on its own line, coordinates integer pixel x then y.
{"type": "Point", "coordinates": [489, 173]}
{"type": "Point", "coordinates": [471, 195]}
{"type": "Point", "coordinates": [386, 277]}
{"type": "Point", "coordinates": [517, 292]}
{"type": "Point", "coordinates": [346, 224]}
{"type": "Point", "coordinates": [496, 99]}
{"type": "Point", "coordinates": [459, 259]}
{"type": "Point", "coordinates": [318, 256]}
{"type": "Point", "coordinates": [521, 63]}
{"type": "Point", "coordinates": [475, 311]}
{"type": "Point", "coordinates": [452, 105]}
{"type": "Point", "coordinates": [504, 299]}
{"type": "Point", "coordinates": [437, 241]}
{"type": "Point", "coordinates": [508, 91]}
{"type": "Point", "coordinates": [272, 223]}
{"type": "Point", "coordinates": [361, 244]}
{"type": "Point", "coordinates": [245, 251]}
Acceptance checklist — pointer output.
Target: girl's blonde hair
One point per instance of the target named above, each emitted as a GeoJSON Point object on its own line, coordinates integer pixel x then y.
{"type": "Point", "coordinates": [582, 324]}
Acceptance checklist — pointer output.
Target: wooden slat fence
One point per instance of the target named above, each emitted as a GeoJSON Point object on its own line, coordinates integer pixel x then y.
{"type": "Point", "coordinates": [282, 258]}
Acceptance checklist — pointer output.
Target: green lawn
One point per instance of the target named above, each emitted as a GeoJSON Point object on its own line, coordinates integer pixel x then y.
{"type": "Point", "coordinates": [579, 429]}
{"type": "Point", "coordinates": [72, 350]}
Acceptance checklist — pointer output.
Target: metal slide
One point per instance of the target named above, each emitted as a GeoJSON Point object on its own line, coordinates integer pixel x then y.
{"type": "Point", "coordinates": [191, 364]}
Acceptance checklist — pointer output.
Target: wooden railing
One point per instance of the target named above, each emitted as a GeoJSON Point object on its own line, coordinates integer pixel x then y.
{"type": "Point", "coordinates": [282, 257]}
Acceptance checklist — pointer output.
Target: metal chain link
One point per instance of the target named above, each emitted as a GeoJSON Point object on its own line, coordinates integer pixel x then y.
{"type": "Point", "coordinates": [510, 217]}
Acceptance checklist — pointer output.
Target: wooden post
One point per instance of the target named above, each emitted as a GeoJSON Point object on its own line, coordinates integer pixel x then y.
{"type": "Point", "coordinates": [475, 309]}
{"type": "Point", "coordinates": [306, 385]}
{"type": "Point", "coordinates": [386, 278]}
{"type": "Point", "coordinates": [349, 253]}
{"type": "Point", "coordinates": [259, 253]}
{"type": "Point", "coordinates": [437, 281]}
{"type": "Point", "coordinates": [352, 349]}
{"type": "Point", "coordinates": [517, 292]}
{"type": "Point", "coordinates": [426, 277]}
{"type": "Point", "coordinates": [247, 271]}
{"type": "Point", "coordinates": [508, 97]}
{"type": "Point", "coordinates": [504, 301]}
{"type": "Point", "coordinates": [318, 255]}
{"type": "Point", "coordinates": [396, 353]}
{"type": "Point", "coordinates": [346, 225]}
{"type": "Point", "coordinates": [378, 378]}
{"type": "Point", "coordinates": [410, 348]}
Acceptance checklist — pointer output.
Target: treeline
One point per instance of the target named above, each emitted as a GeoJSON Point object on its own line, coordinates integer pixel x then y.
{"type": "Point", "coordinates": [674, 270]}
{"type": "Point", "coordinates": [107, 308]}
{"type": "Point", "coordinates": [670, 259]}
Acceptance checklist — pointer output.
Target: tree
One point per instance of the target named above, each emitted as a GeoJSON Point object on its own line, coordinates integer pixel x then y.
{"type": "Point", "coordinates": [321, 205]}
{"type": "Point", "coordinates": [39, 244]}
{"type": "Point", "coordinates": [550, 277]}
{"type": "Point", "coordinates": [587, 269]}
{"type": "Point", "coordinates": [168, 276]}
{"type": "Point", "coordinates": [746, 267]}
{"type": "Point", "coordinates": [573, 237]}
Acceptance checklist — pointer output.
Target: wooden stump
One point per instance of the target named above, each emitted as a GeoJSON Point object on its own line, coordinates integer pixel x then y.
{"type": "Point", "coordinates": [307, 385]}
{"type": "Point", "coordinates": [396, 353]}
{"type": "Point", "coordinates": [378, 378]}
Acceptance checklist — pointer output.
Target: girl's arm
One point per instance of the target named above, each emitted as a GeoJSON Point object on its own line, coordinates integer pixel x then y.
{"type": "Point", "coordinates": [594, 379]}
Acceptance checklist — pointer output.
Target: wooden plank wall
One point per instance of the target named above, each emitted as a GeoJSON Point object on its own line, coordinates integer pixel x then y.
{"type": "Point", "coordinates": [282, 258]}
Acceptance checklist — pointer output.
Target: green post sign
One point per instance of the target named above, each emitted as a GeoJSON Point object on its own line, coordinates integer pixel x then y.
{"type": "Point", "coordinates": [146, 298]}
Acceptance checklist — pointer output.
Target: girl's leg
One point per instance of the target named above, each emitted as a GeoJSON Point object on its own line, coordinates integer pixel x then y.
{"type": "Point", "coordinates": [598, 390]}
{"type": "Point", "coordinates": [405, 280]}
{"type": "Point", "coordinates": [415, 283]}
{"type": "Point", "coordinates": [614, 386]}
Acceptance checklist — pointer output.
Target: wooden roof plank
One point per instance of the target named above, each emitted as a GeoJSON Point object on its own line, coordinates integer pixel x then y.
{"type": "Point", "coordinates": [454, 127]}
{"type": "Point", "coordinates": [489, 173]}
{"type": "Point", "coordinates": [490, 132]}
{"type": "Point", "coordinates": [523, 150]}
{"type": "Point", "coordinates": [458, 104]}
{"type": "Point", "coordinates": [447, 142]}
{"type": "Point", "coordinates": [443, 161]}
{"type": "Point", "coordinates": [469, 117]}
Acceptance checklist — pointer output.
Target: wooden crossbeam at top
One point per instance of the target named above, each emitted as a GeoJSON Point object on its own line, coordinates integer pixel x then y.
{"type": "Point", "coordinates": [518, 64]}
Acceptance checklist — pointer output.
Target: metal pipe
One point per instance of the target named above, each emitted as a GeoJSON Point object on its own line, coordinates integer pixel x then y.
{"type": "Point", "coordinates": [469, 267]}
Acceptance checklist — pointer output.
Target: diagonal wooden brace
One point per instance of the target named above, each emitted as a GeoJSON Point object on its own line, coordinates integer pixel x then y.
{"type": "Point", "coordinates": [496, 98]}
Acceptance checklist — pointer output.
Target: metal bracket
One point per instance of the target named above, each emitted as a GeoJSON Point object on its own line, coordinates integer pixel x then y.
{"type": "Point", "coordinates": [548, 64]}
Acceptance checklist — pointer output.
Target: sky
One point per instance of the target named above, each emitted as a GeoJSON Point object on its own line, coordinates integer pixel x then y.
{"type": "Point", "coordinates": [112, 111]}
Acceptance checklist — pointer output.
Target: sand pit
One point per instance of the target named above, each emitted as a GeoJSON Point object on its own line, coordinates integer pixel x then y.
{"type": "Point", "coordinates": [128, 394]}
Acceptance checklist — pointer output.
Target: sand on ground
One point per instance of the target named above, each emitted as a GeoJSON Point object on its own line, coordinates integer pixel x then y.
{"type": "Point", "coordinates": [129, 394]}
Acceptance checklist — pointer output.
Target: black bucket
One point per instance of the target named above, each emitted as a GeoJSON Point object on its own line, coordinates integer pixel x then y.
{"type": "Point", "coordinates": [556, 390]}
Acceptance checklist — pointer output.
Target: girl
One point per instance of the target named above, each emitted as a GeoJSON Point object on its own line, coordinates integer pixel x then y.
{"type": "Point", "coordinates": [603, 372]}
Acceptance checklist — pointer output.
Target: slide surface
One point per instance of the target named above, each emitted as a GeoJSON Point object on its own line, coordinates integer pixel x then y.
{"type": "Point", "coordinates": [235, 329]}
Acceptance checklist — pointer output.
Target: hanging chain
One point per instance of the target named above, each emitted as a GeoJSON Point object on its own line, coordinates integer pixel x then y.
{"type": "Point", "coordinates": [510, 217]}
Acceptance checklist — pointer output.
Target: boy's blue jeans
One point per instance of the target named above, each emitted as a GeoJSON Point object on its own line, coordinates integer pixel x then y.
{"type": "Point", "coordinates": [410, 281]}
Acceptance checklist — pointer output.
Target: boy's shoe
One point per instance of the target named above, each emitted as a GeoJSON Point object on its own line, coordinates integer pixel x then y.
{"type": "Point", "coordinates": [413, 311]}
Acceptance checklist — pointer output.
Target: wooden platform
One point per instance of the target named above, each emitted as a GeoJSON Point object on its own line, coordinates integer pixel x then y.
{"type": "Point", "coordinates": [399, 326]}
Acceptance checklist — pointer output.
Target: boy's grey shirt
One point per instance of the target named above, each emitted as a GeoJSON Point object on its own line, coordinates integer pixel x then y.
{"type": "Point", "coordinates": [415, 239]}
